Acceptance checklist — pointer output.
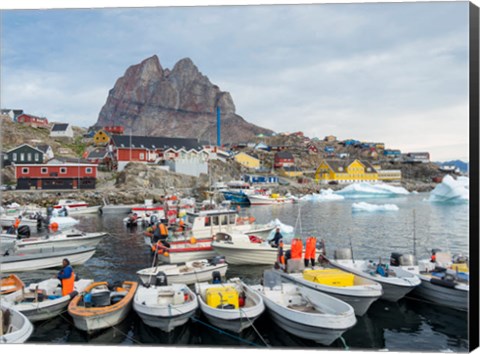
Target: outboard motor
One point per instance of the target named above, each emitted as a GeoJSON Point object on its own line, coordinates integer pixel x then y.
{"type": "Point", "coordinates": [343, 253]}
{"type": "Point", "coordinates": [153, 219]}
{"type": "Point", "coordinates": [216, 277]}
{"type": "Point", "coordinates": [395, 259]}
{"type": "Point", "coordinates": [49, 211]}
{"type": "Point", "coordinates": [161, 279]}
{"type": "Point", "coordinates": [23, 231]}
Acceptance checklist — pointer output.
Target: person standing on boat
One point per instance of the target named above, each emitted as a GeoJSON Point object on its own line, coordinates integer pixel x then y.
{"type": "Point", "coordinates": [276, 238]}
{"type": "Point", "coordinates": [66, 277]}
{"type": "Point", "coordinates": [161, 233]}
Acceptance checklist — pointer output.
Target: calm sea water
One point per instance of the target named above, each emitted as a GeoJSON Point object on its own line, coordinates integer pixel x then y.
{"type": "Point", "coordinates": [408, 325]}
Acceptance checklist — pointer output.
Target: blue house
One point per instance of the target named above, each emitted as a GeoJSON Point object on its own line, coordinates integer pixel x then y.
{"type": "Point", "coordinates": [329, 149]}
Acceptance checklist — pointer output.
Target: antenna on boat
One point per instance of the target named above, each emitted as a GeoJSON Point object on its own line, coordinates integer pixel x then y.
{"type": "Point", "coordinates": [414, 236]}
{"type": "Point", "coordinates": [351, 247]}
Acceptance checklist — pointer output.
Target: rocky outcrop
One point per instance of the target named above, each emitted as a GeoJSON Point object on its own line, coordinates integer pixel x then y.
{"type": "Point", "coordinates": [151, 100]}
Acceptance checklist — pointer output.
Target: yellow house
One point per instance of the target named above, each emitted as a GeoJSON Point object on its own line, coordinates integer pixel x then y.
{"type": "Point", "coordinates": [291, 171]}
{"type": "Point", "coordinates": [247, 160]}
{"type": "Point", "coordinates": [101, 137]}
{"type": "Point", "coordinates": [390, 175]}
{"type": "Point", "coordinates": [342, 172]}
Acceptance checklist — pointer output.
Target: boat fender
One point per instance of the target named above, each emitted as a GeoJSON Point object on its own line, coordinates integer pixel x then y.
{"type": "Point", "coordinates": [73, 294]}
{"type": "Point", "coordinates": [441, 282]}
{"type": "Point", "coordinates": [87, 298]}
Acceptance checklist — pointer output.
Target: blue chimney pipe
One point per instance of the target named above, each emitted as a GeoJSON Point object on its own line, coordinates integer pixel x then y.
{"type": "Point", "coordinates": [219, 143]}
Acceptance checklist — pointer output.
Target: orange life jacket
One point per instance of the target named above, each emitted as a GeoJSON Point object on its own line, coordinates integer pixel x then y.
{"type": "Point", "coordinates": [310, 248]}
{"type": "Point", "coordinates": [296, 249]}
{"type": "Point", "coordinates": [163, 230]}
{"type": "Point", "coordinates": [17, 223]}
{"type": "Point", "coordinates": [68, 285]}
{"type": "Point", "coordinates": [281, 256]}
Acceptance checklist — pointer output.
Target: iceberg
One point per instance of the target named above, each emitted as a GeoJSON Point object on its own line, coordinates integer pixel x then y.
{"type": "Point", "coordinates": [325, 195]}
{"type": "Point", "coordinates": [362, 206]}
{"type": "Point", "coordinates": [287, 231]}
{"type": "Point", "coordinates": [368, 190]}
{"type": "Point", "coordinates": [451, 190]}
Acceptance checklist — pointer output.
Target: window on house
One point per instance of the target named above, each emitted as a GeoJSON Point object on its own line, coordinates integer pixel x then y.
{"type": "Point", "coordinates": [14, 156]}
{"type": "Point", "coordinates": [36, 156]}
{"type": "Point", "coordinates": [22, 156]}
{"type": "Point", "coordinates": [29, 156]}
{"type": "Point", "coordinates": [142, 156]}
{"type": "Point", "coordinates": [44, 170]}
{"type": "Point", "coordinates": [88, 170]}
{"type": "Point", "coordinates": [25, 170]}
{"type": "Point", "coordinates": [63, 170]}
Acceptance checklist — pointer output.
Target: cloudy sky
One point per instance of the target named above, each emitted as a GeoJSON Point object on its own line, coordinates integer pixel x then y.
{"type": "Point", "coordinates": [391, 72]}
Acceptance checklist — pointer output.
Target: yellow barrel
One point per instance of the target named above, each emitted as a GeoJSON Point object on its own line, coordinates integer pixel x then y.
{"type": "Point", "coordinates": [220, 296]}
{"type": "Point", "coordinates": [330, 277]}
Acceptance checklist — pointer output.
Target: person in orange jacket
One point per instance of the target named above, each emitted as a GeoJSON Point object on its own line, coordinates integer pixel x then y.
{"type": "Point", "coordinates": [66, 277]}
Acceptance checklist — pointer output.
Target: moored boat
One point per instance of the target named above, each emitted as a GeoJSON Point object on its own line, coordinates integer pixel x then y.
{"type": "Point", "coordinates": [165, 306]}
{"type": "Point", "coordinates": [270, 199]}
{"type": "Point", "coordinates": [356, 291]}
{"type": "Point", "coordinates": [10, 284]}
{"type": "Point", "coordinates": [20, 262]}
{"type": "Point", "coordinates": [396, 282]}
{"type": "Point", "coordinates": [241, 249]}
{"type": "Point", "coordinates": [14, 327]}
{"type": "Point", "coordinates": [189, 273]}
{"type": "Point", "coordinates": [184, 251]}
{"type": "Point", "coordinates": [304, 312]}
{"type": "Point", "coordinates": [444, 282]}
{"type": "Point", "coordinates": [99, 307]}
{"type": "Point", "coordinates": [68, 239]}
{"type": "Point", "coordinates": [44, 300]}
{"type": "Point", "coordinates": [74, 207]}
{"type": "Point", "coordinates": [232, 306]}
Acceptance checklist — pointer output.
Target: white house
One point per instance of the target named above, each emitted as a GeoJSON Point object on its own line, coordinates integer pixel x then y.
{"type": "Point", "coordinates": [47, 151]}
{"type": "Point", "coordinates": [61, 130]}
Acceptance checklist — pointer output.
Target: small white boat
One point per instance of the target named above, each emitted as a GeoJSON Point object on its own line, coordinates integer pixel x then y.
{"type": "Point", "coordinates": [356, 291]}
{"type": "Point", "coordinates": [14, 327]}
{"type": "Point", "coordinates": [165, 306]}
{"type": "Point", "coordinates": [271, 199]}
{"type": "Point", "coordinates": [98, 307]}
{"type": "Point", "coordinates": [184, 251]}
{"type": "Point", "coordinates": [60, 240]}
{"type": "Point", "coordinates": [20, 262]}
{"type": "Point", "coordinates": [44, 300]}
{"type": "Point", "coordinates": [75, 207]}
{"type": "Point", "coordinates": [232, 306]}
{"type": "Point", "coordinates": [241, 249]}
{"type": "Point", "coordinates": [189, 273]}
{"type": "Point", "coordinates": [33, 221]}
{"type": "Point", "coordinates": [396, 282]}
{"type": "Point", "coordinates": [443, 282]}
{"type": "Point", "coordinates": [304, 312]}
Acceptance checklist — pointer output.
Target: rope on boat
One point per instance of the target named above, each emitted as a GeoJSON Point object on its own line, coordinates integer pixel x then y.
{"type": "Point", "coordinates": [344, 343]}
{"type": "Point", "coordinates": [255, 329]}
{"type": "Point", "coordinates": [194, 319]}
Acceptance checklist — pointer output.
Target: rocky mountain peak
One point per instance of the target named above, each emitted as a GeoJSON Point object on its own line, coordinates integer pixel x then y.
{"type": "Point", "coordinates": [181, 102]}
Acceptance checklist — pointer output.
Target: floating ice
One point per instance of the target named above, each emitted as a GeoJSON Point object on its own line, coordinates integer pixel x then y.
{"type": "Point", "coordinates": [287, 231]}
{"type": "Point", "coordinates": [324, 196]}
{"type": "Point", "coordinates": [451, 190]}
{"type": "Point", "coordinates": [362, 206]}
{"type": "Point", "coordinates": [368, 190]}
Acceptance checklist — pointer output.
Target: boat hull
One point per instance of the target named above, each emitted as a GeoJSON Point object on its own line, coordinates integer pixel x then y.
{"type": "Point", "coordinates": [166, 324]}
{"type": "Point", "coordinates": [95, 323]}
{"type": "Point", "coordinates": [440, 295]}
{"type": "Point", "coordinates": [236, 198]}
{"type": "Point", "coordinates": [245, 256]}
{"type": "Point", "coordinates": [181, 257]}
{"type": "Point", "coordinates": [57, 244]}
{"type": "Point", "coordinates": [10, 264]}
{"type": "Point", "coordinates": [185, 278]}
{"type": "Point", "coordinates": [325, 336]}
{"type": "Point", "coordinates": [44, 310]}
{"type": "Point", "coordinates": [23, 329]}
{"type": "Point", "coordinates": [360, 299]}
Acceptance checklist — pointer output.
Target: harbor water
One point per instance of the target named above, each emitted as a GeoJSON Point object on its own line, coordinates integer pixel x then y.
{"type": "Point", "coordinates": [409, 325]}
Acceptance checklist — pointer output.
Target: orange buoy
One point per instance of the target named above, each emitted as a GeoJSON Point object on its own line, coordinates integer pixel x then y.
{"type": "Point", "coordinates": [54, 226]}
{"type": "Point", "coordinates": [193, 240]}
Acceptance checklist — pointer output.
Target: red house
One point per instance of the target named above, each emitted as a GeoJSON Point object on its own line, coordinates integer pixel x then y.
{"type": "Point", "coordinates": [114, 129]}
{"type": "Point", "coordinates": [32, 120]}
{"type": "Point", "coordinates": [283, 159]}
{"type": "Point", "coordinates": [312, 149]}
{"type": "Point", "coordinates": [148, 149]}
{"type": "Point", "coordinates": [56, 176]}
